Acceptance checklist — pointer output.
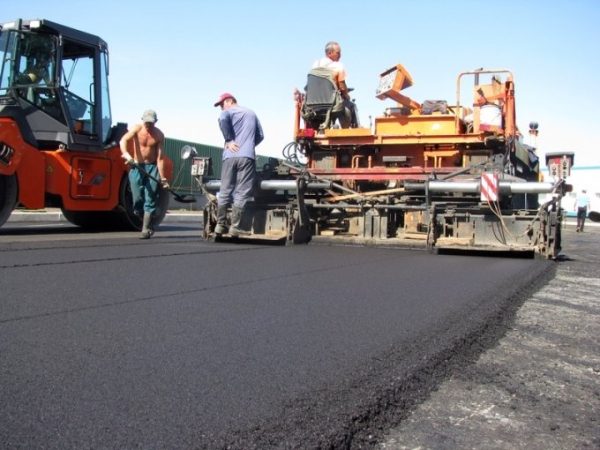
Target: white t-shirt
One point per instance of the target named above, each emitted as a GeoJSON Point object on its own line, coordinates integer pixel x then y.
{"type": "Point", "coordinates": [336, 66]}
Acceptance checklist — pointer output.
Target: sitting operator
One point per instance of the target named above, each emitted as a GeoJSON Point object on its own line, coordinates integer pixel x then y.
{"type": "Point", "coordinates": [331, 60]}
{"type": "Point", "coordinates": [78, 126]}
{"type": "Point", "coordinates": [37, 71]}
{"type": "Point", "coordinates": [34, 75]}
{"type": "Point", "coordinates": [35, 80]}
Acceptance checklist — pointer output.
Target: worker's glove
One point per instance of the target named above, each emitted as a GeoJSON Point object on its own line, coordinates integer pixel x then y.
{"type": "Point", "coordinates": [164, 183]}
{"type": "Point", "coordinates": [129, 160]}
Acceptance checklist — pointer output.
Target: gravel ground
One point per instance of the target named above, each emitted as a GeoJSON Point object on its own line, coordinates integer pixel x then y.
{"type": "Point", "coordinates": [539, 387]}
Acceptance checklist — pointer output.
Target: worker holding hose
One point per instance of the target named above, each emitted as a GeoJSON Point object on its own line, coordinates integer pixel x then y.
{"type": "Point", "coordinates": [147, 168]}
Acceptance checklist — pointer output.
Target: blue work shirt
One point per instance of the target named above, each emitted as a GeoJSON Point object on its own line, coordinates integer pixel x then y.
{"type": "Point", "coordinates": [241, 125]}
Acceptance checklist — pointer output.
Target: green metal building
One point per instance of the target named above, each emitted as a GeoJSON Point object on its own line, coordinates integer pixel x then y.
{"type": "Point", "coordinates": [183, 181]}
{"type": "Point", "coordinates": [182, 177]}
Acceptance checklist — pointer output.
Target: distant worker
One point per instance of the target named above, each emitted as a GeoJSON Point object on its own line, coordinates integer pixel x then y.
{"type": "Point", "coordinates": [331, 60]}
{"type": "Point", "coordinates": [147, 167]}
{"type": "Point", "coordinates": [582, 204]}
{"type": "Point", "coordinates": [242, 132]}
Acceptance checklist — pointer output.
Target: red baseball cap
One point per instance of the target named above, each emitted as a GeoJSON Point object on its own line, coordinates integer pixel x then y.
{"type": "Point", "coordinates": [224, 97]}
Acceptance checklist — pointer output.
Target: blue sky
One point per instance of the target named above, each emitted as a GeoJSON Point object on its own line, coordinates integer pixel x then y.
{"type": "Point", "coordinates": [178, 56]}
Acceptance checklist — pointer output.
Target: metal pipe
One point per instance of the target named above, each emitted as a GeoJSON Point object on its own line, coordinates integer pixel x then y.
{"type": "Point", "coordinates": [367, 207]}
{"type": "Point", "coordinates": [331, 183]}
{"type": "Point", "coordinates": [505, 187]}
{"type": "Point", "coordinates": [290, 185]}
{"type": "Point", "coordinates": [274, 185]}
{"type": "Point", "coordinates": [337, 206]}
{"type": "Point", "coordinates": [530, 188]}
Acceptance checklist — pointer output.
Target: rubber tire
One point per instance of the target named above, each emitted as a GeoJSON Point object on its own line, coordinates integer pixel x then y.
{"type": "Point", "coordinates": [128, 218]}
{"type": "Point", "coordinates": [120, 218]}
{"type": "Point", "coordinates": [594, 216]}
{"type": "Point", "coordinates": [94, 220]}
{"type": "Point", "coordinates": [9, 193]}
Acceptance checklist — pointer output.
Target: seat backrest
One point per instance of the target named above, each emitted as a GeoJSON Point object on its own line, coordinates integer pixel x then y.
{"type": "Point", "coordinates": [321, 89]}
{"type": "Point", "coordinates": [323, 100]}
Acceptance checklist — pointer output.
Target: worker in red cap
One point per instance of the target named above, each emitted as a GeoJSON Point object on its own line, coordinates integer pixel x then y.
{"type": "Point", "coordinates": [242, 132]}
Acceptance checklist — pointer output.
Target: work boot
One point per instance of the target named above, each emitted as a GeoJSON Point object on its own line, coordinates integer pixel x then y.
{"type": "Point", "coordinates": [147, 228]}
{"type": "Point", "coordinates": [237, 214]}
{"type": "Point", "coordinates": [221, 227]}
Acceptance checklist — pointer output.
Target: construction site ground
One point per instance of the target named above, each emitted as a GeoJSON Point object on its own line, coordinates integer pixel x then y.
{"type": "Point", "coordinates": [539, 386]}
{"type": "Point", "coordinates": [536, 387]}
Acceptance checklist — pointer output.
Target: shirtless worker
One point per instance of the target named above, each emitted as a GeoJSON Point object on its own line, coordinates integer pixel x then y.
{"type": "Point", "coordinates": [147, 159]}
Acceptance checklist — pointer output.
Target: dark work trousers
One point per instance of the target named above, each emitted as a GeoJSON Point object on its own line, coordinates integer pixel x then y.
{"type": "Point", "coordinates": [144, 189]}
{"type": "Point", "coordinates": [581, 215]}
{"type": "Point", "coordinates": [237, 181]}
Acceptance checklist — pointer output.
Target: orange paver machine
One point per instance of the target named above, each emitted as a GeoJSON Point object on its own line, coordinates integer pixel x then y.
{"type": "Point", "coordinates": [443, 175]}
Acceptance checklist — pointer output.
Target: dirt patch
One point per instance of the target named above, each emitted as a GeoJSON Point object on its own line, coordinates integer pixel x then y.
{"type": "Point", "coordinates": [539, 387]}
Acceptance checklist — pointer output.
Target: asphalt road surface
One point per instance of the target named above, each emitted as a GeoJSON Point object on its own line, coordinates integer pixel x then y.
{"type": "Point", "coordinates": [108, 341]}
{"type": "Point", "coordinates": [539, 387]}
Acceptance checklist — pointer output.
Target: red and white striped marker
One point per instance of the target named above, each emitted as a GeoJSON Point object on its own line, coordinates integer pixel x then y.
{"type": "Point", "coordinates": [489, 187]}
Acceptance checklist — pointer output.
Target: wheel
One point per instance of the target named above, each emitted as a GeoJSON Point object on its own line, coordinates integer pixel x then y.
{"type": "Point", "coordinates": [120, 218]}
{"type": "Point", "coordinates": [128, 218]}
{"type": "Point", "coordinates": [594, 216]}
{"type": "Point", "coordinates": [93, 220]}
{"type": "Point", "coordinates": [9, 190]}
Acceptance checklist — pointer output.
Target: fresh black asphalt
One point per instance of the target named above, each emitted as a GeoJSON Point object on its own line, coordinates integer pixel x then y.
{"type": "Point", "coordinates": [112, 342]}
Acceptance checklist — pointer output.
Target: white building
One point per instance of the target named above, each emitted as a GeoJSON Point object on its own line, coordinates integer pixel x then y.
{"type": "Point", "coordinates": [582, 177]}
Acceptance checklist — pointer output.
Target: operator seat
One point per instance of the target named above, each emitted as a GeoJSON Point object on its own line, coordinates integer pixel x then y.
{"type": "Point", "coordinates": [323, 103]}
